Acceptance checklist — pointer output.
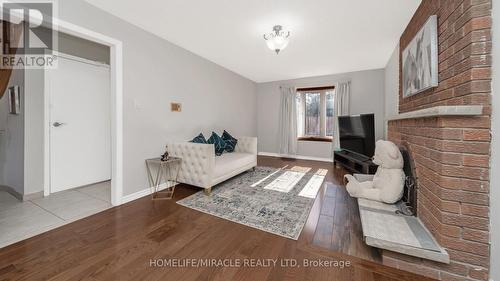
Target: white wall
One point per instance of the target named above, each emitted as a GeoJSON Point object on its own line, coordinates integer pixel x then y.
{"type": "Point", "coordinates": [391, 97]}
{"type": "Point", "coordinates": [367, 96]}
{"type": "Point", "coordinates": [495, 150]}
{"type": "Point", "coordinates": [156, 73]}
{"type": "Point", "coordinates": [12, 138]}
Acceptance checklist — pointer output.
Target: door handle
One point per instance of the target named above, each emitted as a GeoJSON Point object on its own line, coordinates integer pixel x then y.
{"type": "Point", "coordinates": [58, 124]}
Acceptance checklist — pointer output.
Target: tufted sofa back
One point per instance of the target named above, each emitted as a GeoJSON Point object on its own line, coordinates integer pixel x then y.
{"type": "Point", "coordinates": [246, 145]}
{"type": "Point", "coordinates": [198, 160]}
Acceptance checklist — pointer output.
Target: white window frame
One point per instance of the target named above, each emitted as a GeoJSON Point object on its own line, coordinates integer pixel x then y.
{"type": "Point", "coordinates": [301, 113]}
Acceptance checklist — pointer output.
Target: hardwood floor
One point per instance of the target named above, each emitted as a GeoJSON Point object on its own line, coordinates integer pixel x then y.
{"type": "Point", "coordinates": [121, 243]}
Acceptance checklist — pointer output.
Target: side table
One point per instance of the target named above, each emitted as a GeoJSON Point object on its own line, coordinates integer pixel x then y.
{"type": "Point", "coordinates": [166, 173]}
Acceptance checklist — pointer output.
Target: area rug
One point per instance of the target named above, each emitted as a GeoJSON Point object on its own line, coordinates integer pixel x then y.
{"type": "Point", "coordinates": [273, 200]}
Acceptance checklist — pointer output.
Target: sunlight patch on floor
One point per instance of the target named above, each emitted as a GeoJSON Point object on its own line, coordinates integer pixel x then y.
{"type": "Point", "coordinates": [286, 181]}
{"type": "Point", "coordinates": [314, 184]}
{"type": "Point", "coordinates": [270, 175]}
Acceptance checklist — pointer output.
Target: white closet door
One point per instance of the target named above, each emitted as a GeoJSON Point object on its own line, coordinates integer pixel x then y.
{"type": "Point", "coordinates": [80, 124]}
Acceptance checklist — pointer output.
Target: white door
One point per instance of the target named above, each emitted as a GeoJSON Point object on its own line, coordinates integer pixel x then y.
{"type": "Point", "coordinates": [80, 123]}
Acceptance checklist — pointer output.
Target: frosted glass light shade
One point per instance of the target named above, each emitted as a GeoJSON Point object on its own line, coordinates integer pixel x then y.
{"type": "Point", "coordinates": [278, 40]}
{"type": "Point", "coordinates": [277, 43]}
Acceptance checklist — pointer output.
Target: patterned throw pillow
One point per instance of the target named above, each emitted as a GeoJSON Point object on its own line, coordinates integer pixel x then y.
{"type": "Point", "coordinates": [218, 143]}
{"type": "Point", "coordinates": [199, 139]}
{"type": "Point", "coordinates": [230, 141]}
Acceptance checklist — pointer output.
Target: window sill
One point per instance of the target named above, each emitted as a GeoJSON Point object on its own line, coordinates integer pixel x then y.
{"type": "Point", "coordinates": [318, 139]}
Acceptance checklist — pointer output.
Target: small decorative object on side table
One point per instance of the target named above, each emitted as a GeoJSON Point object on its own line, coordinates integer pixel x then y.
{"type": "Point", "coordinates": [166, 173]}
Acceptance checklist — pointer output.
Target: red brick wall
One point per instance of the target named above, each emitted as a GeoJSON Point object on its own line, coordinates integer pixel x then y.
{"type": "Point", "coordinates": [451, 154]}
{"type": "Point", "coordinates": [464, 53]}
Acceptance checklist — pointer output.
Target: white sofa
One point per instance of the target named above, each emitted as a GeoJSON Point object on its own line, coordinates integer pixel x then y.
{"type": "Point", "coordinates": [200, 167]}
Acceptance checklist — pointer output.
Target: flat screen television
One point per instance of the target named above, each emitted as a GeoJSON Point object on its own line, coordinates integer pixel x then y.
{"type": "Point", "coordinates": [357, 134]}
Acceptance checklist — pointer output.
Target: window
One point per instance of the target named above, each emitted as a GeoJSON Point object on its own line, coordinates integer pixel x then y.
{"type": "Point", "coordinates": [313, 115]}
{"type": "Point", "coordinates": [315, 108]}
{"type": "Point", "coordinates": [329, 114]}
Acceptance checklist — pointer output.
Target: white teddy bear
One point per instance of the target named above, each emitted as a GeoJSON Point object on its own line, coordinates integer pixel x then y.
{"type": "Point", "coordinates": [388, 182]}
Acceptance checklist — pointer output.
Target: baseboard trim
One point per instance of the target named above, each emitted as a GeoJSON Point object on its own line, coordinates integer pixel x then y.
{"type": "Point", "coordinates": [21, 197]}
{"type": "Point", "coordinates": [31, 196]}
{"type": "Point", "coordinates": [147, 191]}
{"type": "Point", "coordinates": [301, 157]}
{"type": "Point", "coordinates": [140, 194]}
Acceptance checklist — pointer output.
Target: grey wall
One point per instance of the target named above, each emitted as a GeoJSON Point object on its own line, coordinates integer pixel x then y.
{"type": "Point", "coordinates": [495, 149]}
{"type": "Point", "coordinates": [12, 139]}
{"type": "Point", "coordinates": [82, 48]}
{"type": "Point", "coordinates": [156, 73]}
{"type": "Point", "coordinates": [367, 96]}
{"type": "Point", "coordinates": [33, 131]}
{"type": "Point", "coordinates": [79, 47]}
{"type": "Point", "coordinates": [391, 91]}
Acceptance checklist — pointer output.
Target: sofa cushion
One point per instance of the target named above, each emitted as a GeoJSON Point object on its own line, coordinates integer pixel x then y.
{"type": "Point", "coordinates": [229, 162]}
{"type": "Point", "coordinates": [230, 141]}
{"type": "Point", "coordinates": [218, 142]}
{"type": "Point", "coordinates": [199, 139]}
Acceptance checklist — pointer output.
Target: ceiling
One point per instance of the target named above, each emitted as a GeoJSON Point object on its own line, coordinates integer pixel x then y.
{"type": "Point", "coordinates": [327, 36]}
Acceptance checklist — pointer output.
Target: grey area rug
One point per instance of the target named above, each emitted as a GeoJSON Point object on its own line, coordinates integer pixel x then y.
{"type": "Point", "coordinates": [281, 213]}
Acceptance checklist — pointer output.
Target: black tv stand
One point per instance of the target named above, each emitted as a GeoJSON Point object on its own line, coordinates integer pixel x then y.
{"type": "Point", "coordinates": [354, 162]}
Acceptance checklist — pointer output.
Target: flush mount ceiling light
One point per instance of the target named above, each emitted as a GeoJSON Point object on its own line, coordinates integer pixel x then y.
{"type": "Point", "coordinates": [278, 39]}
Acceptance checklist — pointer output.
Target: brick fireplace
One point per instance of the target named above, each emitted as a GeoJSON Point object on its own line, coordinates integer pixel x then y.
{"type": "Point", "coordinates": [451, 153]}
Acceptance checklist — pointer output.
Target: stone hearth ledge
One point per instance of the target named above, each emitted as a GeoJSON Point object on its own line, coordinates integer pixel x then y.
{"type": "Point", "coordinates": [444, 110]}
{"type": "Point", "coordinates": [383, 228]}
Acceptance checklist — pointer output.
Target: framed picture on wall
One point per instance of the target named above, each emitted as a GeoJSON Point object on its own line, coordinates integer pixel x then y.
{"type": "Point", "coordinates": [14, 100]}
{"type": "Point", "coordinates": [420, 60]}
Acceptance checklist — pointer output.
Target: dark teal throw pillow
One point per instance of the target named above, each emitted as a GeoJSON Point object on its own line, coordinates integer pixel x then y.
{"type": "Point", "coordinates": [230, 141]}
{"type": "Point", "coordinates": [199, 139]}
{"type": "Point", "coordinates": [218, 142]}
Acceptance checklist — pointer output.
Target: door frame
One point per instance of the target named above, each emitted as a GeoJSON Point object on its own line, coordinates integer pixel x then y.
{"type": "Point", "coordinates": [116, 91]}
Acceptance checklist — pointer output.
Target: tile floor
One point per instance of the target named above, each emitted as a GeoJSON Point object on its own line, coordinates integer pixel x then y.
{"type": "Point", "coordinates": [21, 220]}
